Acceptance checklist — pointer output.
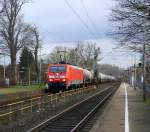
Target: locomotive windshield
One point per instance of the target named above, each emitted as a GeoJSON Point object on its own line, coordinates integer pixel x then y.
{"type": "Point", "coordinates": [57, 69]}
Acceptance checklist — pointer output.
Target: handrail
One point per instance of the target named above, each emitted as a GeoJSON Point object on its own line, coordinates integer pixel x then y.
{"type": "Point", "coordinates": [53, 97]}
{"type": "Point", "coordinates": [20, 102]}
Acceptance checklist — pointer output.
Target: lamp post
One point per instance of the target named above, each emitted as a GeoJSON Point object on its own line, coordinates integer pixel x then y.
{"type": "Point", "coordinates": [40, 67]}
{"type": "Point", "coordinates": [29, 76]}
{"type": "Point", "coordinates": [4, 67]}
{"type": "Point", "coordinates": [143, 60]}
{"type": "Point", "coordinates": [76, 56]}
{"type": "Point", "coordinates": [144, 55]}
{"type": "Point", "coordinates": [135, 71]}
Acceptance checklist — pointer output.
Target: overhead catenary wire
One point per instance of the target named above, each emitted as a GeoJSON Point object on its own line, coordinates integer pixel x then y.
{"type": "Point", "coordinates": [52, 37]}
{"type": "Point", "coordinates": [90, 19]}
{"type": "Point", "coordinates": [105, 55]}
{"type": "Point", "coordinates": [80, 18]}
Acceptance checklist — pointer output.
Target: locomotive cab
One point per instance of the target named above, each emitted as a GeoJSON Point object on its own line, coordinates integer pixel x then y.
{"type": "Point", "coordinates": [64, 76]}
{"type": "Point", "coordinates": [56, 77]}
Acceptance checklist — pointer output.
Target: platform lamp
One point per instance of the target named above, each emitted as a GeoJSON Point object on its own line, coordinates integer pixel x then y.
{"type": "Point", "coordinates": [147, 17]}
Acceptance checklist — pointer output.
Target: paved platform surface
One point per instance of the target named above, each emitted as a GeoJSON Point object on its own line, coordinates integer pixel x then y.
{"type": "Point", "coordinates": [124, 113]}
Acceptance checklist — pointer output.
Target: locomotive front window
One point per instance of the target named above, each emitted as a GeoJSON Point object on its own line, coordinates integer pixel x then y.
{"type": "Point", "coordinates": [58, 69]}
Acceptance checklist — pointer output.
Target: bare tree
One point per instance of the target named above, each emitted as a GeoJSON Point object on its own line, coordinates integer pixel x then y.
{"type": "Point", "coordinates": [85, 54]}
{"type": "Point", "coordinates": [35, 46]}
{"type": "Point", "coordinates": [13, 32]}
{"type": "Point", "coordinates": [2, 5]}
{"type": "Point", "coordinates": [110, 70]}
{"type": "Point", "coordinates": [130, 17]}
{"type": "Point", "coordinates": [82, 54]}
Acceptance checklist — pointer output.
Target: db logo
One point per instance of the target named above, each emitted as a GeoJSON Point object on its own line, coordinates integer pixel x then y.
{"type": "Point", "coordinates": [57, 74]}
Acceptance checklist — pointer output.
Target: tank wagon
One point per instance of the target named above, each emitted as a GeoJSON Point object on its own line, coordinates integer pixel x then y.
{"type": "Point", "coordinates": [88, 77]}
{"type": "Point", "coordinates": [105, 78]}
{"type": "Point", "coordinates": [65, 76]}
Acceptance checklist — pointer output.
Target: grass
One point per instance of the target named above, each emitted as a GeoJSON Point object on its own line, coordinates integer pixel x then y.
{"type": "Point", "coordinates": [148, 101]}
{"type": "Point", "coordinates": [17, 89]}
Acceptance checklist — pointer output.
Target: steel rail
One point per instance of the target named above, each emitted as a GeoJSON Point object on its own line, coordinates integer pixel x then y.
{"type": "Point", "coordinates": [91, 113]}
{"type": "Point", "coordinates": [36, 102]}
{"type": "Point", "coordinates": [46, 122]}
{"type": "Point", "coordinates": [22, 101]}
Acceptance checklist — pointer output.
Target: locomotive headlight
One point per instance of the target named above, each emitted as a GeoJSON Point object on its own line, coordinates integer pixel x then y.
{"type": "Point", "coordinates": [50, 80]}
{"type": "Point", "coordinates": [64, 80]}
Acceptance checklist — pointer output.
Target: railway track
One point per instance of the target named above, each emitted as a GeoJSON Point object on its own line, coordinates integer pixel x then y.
{"type": "Point", "coordinates": [75, 117]}
{"type": "Point", "coordinates": [32, 104]}
{"type": "Point", "coordinates": [16, 105]}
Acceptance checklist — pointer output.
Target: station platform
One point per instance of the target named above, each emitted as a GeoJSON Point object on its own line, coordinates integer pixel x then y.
{"type": "Point", "coordinates": [125, 112]}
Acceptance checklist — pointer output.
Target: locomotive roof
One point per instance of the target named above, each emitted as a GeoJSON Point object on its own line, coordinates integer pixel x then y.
{"type": "Point", "coordinates": [65, 65]}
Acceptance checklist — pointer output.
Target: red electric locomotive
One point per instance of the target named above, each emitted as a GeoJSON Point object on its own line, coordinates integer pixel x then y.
{"type": "Point", "coordinates": [64, 76]}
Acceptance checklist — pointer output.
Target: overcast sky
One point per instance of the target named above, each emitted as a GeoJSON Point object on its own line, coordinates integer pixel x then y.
{"type": "Point", "coordinates": [59, 25]}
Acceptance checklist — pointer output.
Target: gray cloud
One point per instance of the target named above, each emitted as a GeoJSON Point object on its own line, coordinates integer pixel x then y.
{"type": "Point", "coordinates": [56, 17]}
{"type": "Point", "coordinates": [59, 26]}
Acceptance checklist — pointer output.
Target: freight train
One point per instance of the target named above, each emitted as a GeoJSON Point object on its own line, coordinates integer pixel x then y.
{"type": "Point", "coordinates": [65, 76]}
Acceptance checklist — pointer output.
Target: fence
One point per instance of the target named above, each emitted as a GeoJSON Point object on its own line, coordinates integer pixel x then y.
{"type": "Point", "coordinates": [31, 83]}
{"type": "Point", "coordinates": [140, 85]}
{"type": "Point", "coordinates": [37, 103]}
